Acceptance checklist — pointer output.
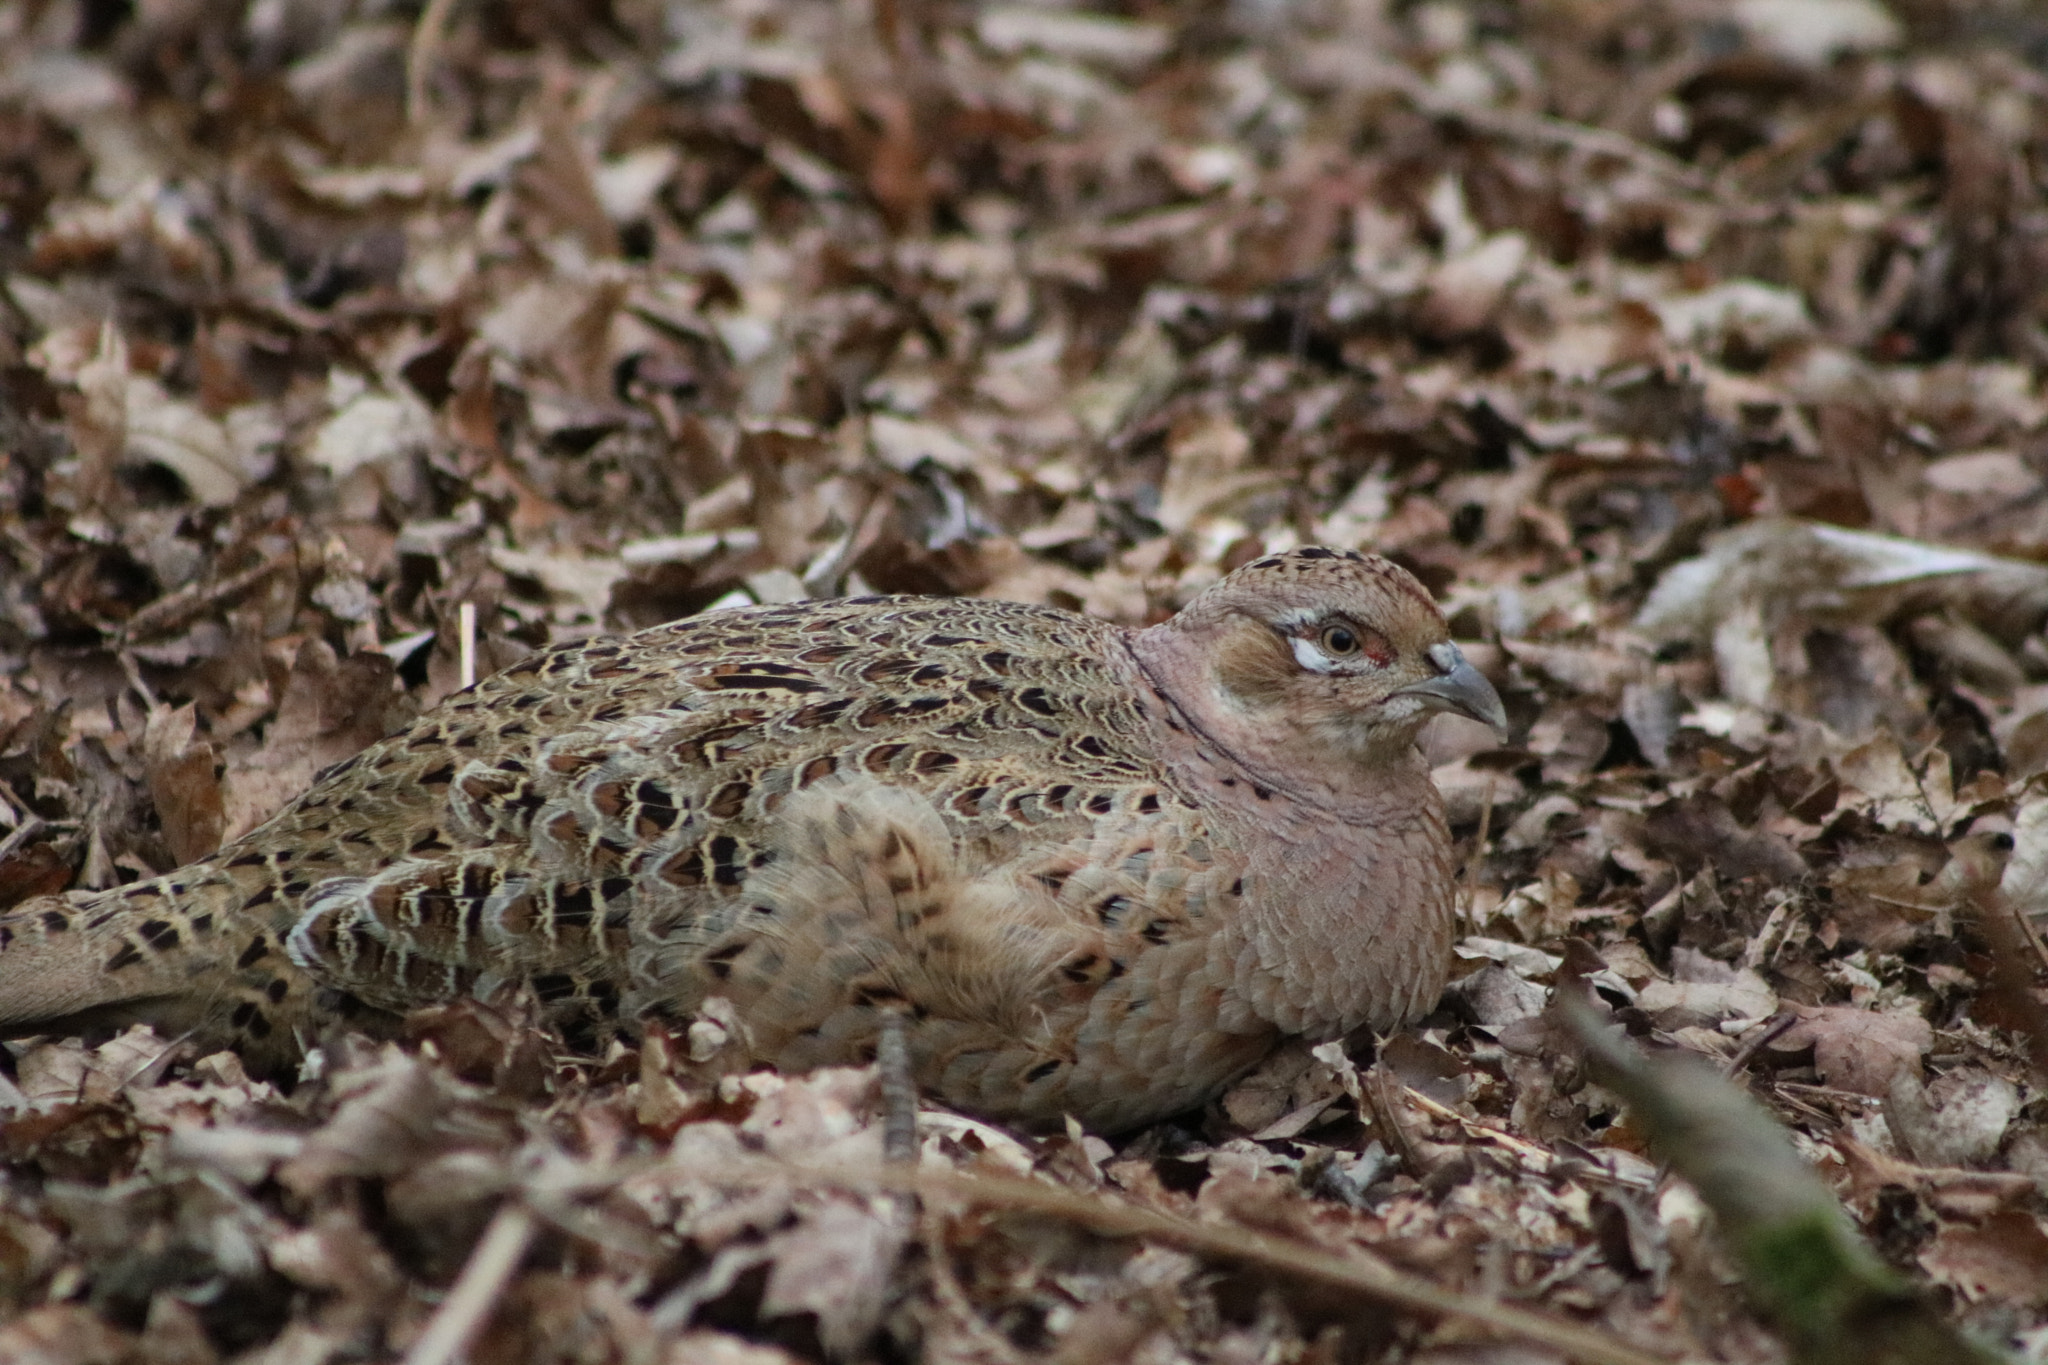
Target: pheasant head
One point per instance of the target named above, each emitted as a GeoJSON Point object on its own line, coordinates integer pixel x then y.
{"type": "Point", "coordinates": [1316, 661]}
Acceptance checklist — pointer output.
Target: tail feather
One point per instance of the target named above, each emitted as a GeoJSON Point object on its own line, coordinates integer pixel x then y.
{"type": "Point", "coordinates": [59, 958]}
{"type": "Point", "coordinates": [182, 953]}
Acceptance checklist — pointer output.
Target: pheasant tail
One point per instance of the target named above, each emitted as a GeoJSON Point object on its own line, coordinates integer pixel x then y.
{"type": "Point", "coordinates": [184, 952]}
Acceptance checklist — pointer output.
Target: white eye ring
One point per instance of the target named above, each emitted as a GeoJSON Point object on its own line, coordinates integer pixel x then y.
{"type": "Point", "coordinates": [1309, 657]}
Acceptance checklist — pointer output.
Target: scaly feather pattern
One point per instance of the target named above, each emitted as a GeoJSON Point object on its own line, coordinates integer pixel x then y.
{"type": "Point", "coordinates": [1099, 872]}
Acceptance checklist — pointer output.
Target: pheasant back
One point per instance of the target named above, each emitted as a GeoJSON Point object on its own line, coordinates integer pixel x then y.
{"type": "Point", "coordinates": [959, 797]}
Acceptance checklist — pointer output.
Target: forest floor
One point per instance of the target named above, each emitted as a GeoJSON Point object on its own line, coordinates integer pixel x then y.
{"type": "Point", "coordinates": [1691, 353]}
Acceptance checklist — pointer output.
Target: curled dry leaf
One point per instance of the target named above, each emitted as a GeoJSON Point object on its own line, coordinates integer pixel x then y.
{"type": "Point", "coordinates": [1859, 1050]}
{"type": "Point", "coordinates": [1693, 366]}
{"type": "Point", "coordinates": [183, 782]}
{"type": "Point", "coordinates": [331, 708]}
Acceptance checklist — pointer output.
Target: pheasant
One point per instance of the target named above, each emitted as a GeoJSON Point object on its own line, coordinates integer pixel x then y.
{"type": "Point", "coordinates": [1092, 871]}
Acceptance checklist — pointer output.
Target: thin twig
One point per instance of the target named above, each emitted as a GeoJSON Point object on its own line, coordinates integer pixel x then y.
{"type": "Point", "coordinates": [899, 1089]}
{"type": "Point", "coordinates": [1762, 173]}
{"type": "Point", "coordinates": [1538, 1158]}
{"type": "Point", "coordinates": [22, 835]}
{"type": "Point", "coordinates": [1384, 1103]}
{"type": "Point", "coordinates": [2028, 930]}
{"type": "Point", "coordinates": [1110, 1216]}
{"type": "Point", "coordinates": [419, 57]}
{"type": "Point", "coordinates": [1773, 1029]}
{"type": "Point", "coordinates": [1234, 1242]}
{"type": "Point", "coordinates": [1768, 937]}
{"type": "Point", "coordinates": [1472, 864]}
{"type": "Point", "coordinates": [188, 604]}
{"type": "Point", "coordinates": [133, 672]}
{"type": "Point", "coordinates": [465, 634]}
{"type": "Point", "coordinates": [498, 1253]}
{"type": "Point", "coordinates": [953, 1298]}
{"type": "Point", "coordinates": [1526, 127]}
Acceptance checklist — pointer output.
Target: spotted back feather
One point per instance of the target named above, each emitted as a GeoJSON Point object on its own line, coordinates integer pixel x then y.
{"type": "Point", "coordinates": [1025, 829]}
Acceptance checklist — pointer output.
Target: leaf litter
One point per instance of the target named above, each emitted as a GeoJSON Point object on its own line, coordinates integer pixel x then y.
{"type": "Point", "coordinates": [1693, 360]}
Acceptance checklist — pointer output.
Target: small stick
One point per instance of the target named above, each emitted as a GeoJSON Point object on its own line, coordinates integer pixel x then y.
{"type": "Point", "coordinates": [465, 634]}
{"type": "Point", "coordinates": [1534, 1157]}
{"type": "Point", "coordinates": [1772, 1029]}
{"type": "Point", "coordinates": [133, 671]}
{"type": "Point", "coordinates": [419, 57]}
{"type": "Point", "coordinates": [22, 835]}
{"type": "Point", "coordinates": [1767, 938]}
{"type": "Point", "coordinates": [1354, 1270]}
{"type": "Point", "coordinates": [899, 1091]}
{"type": "Point", "coordinates": [490, 1266]}
{"type": "Point", "coordinates": [2027, 930]}
{"type": "Point", "coordinates": [1472, 863]}
{"type": "Point", "coordinates": [953, 1298]}
{"type": "Point", "coordinates": [188, 604]}
{"type": "Point", "coordinates": [1384, 1103]}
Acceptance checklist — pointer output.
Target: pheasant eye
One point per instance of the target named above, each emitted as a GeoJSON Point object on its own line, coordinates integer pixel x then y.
{"type": "Point", "coordinates": [1339, 642]}
{"type": "Point", "coordinates": [1346, 640]}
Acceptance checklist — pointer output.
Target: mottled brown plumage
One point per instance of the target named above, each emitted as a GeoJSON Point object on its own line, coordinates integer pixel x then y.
{"type": "Point", "coordinates": [1099, 872]}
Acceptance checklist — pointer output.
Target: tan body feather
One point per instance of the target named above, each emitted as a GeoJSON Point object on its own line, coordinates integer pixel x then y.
{"type": "Point", "coordinates": [1097, 875]}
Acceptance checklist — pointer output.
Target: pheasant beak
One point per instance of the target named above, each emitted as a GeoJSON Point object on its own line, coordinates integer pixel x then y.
{"type": "Point", "coordinates": [1461, 688]}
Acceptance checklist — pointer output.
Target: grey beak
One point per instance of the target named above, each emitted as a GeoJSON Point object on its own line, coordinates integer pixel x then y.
{"type": "Point", "coordinates": [1462, 688]}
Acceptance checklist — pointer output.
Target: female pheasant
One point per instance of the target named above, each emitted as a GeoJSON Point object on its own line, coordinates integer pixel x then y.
{"type": "Point", "coordinates": [1098, 872]}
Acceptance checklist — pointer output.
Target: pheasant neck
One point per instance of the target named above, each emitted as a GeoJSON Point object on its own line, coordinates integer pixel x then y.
{"type": "Point", "coordinates": [1348, 913]}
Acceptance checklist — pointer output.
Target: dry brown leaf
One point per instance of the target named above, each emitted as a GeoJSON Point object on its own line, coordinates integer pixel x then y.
{"type": "Point", "coordinates": [66, 1334]}
{"type": "Point", "coordinates": [2004, 1259]}
{"type": "Point", "coordinates": [330, 709]}
{"type": "Point", "coordinates": [183, 783]}
{"type": "Point", "coordinates": [1858, 1050]}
